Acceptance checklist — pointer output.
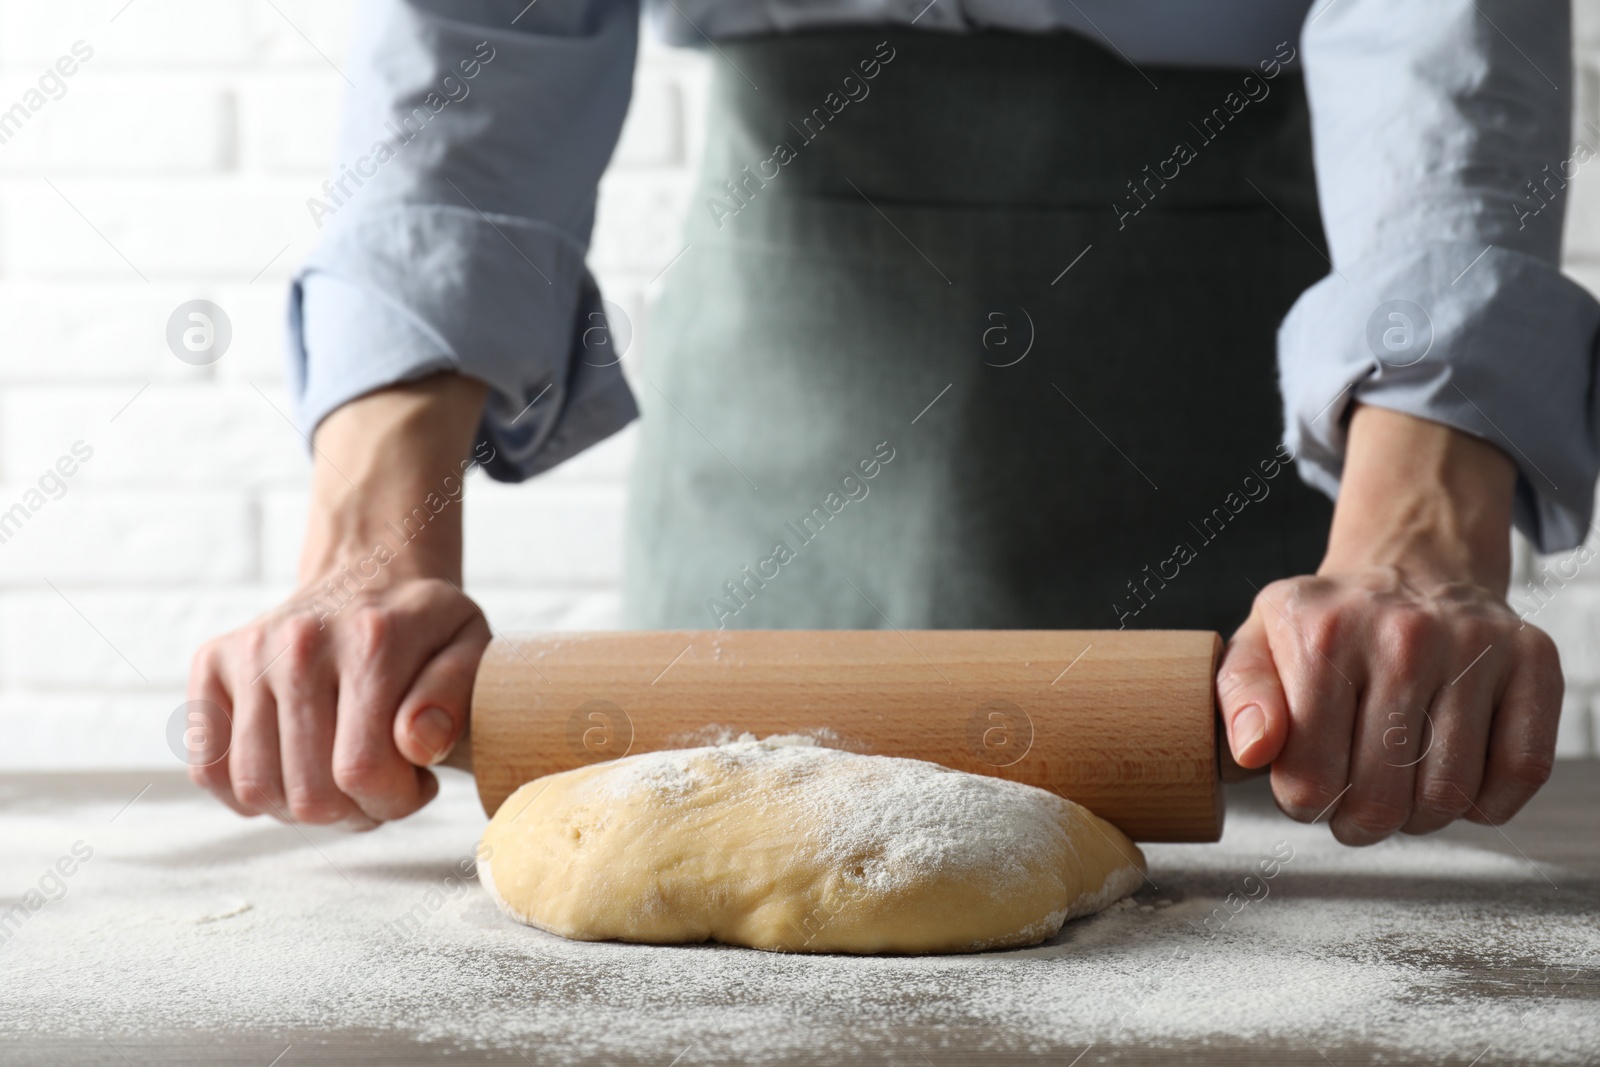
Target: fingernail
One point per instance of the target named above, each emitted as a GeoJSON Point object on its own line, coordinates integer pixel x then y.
{"type": "Point", "coordinates": [434, 729]}
{"type": "Point", "coordinates": [1249, 726]}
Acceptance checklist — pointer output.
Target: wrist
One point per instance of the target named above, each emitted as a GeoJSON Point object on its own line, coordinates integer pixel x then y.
{"type": "Point", "coordinates": [388, 482]}
{"type": "Point", "coordinates": [1417, 495]}
{"type": "Point", "coordinates": [384, 542]}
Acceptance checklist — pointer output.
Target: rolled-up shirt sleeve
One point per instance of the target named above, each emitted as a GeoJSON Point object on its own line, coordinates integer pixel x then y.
{"type": "Point", "coordinates": [1443, 167]}
{"type": "Point", "coordinates": [456, 222]}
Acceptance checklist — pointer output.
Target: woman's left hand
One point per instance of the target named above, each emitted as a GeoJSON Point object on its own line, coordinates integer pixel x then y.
{"type": "Point", "coordinates": [1395, 689]}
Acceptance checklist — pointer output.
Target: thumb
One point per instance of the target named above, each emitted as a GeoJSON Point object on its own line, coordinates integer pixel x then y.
{"type": "Point", "coordinates": [1254, 710]}
{"type": "Point", "coordinates": [433, 713]}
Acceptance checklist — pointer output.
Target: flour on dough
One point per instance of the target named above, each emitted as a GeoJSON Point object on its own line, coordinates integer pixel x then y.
{"type": "Point", "coordinates": [783, 845]}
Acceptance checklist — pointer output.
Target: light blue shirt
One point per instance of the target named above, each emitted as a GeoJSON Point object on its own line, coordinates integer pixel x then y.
{"type": "Point", "coordinates": [456, 224]}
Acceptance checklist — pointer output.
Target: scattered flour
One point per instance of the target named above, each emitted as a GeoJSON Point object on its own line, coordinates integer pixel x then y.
{"type": "Point", "coordinates": [1393, 951]}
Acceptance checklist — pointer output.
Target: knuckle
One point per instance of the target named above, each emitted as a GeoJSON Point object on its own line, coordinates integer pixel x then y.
{"type": "Point", "coordinates": [258, 793]}
{"type": "Point", "coordinates": [432, 602]}
{"type": "Point", "coordinates": [1408, 634]}
{"type": "Point", "coordinates": [298, 642]}
{"type": "Point", "coordinates": [1324, 631]}
{"type": "Point", "coordinates": [316, 807]}
{"type": "Point", "coordinates": [1486, 631]}
{"type": "Point", "coordinates": [298, 647]}
{"type": "Point", "coordinates": [1304, 800]}
{"type": "Point", "coordinates": [1443, 797]}
{"type": "Point", "coordinates": [1541, 652]}
{"type": "Point", "coordinates": [1301, 591]}
{"type": "Point", "coordinates": [1233, 683]}
{"type": "Point", "coordinates": [1374, 815]}
{"type": "Point", "coordinates": [371, 627]}
{"type": "Point", "coordinates": [440, 593]}
{"type": "Point", "coordinates": [360, 776]}
{"type": "Point", "coordinates": [437, 589]}
{"type": "Point", "coordinates": [1531, 767]}
{"type": "Point", "coordinates": [1497, 809]}
{"type": "Point", "coordinates": [301, 639]}
{"type": "Point", "coordinates": [245, 644]}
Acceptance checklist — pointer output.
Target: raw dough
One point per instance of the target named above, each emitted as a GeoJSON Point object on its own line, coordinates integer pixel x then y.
{"type": "Point", "coordinates": [785, 846]}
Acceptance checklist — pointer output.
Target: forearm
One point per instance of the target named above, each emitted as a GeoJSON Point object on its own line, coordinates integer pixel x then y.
{"type": "Point", "coordinates": [379, 459]}
{"type": "Point", "coordinates": [1423, 497]}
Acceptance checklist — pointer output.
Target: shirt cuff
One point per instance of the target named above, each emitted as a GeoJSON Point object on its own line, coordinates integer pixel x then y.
{"type": "Point", "coordinates": [412, 290]}
{"type": "Point", "coordinates": [1496, 343]}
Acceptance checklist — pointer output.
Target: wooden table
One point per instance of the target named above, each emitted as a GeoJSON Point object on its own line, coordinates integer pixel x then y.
{"type": "Point", "coordinates": [1520, 926]}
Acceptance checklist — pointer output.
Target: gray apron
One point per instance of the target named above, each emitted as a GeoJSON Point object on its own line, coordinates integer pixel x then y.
{"type": "Point", "coordinates": [924, 364]}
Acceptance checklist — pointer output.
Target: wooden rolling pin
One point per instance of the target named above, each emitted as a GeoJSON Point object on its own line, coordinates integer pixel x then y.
{"type": "Point", "coordinates": [1122, 722]}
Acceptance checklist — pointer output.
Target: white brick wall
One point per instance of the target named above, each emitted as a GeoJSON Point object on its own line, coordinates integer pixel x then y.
{"type": "Point", "coordinates": [175, 167]}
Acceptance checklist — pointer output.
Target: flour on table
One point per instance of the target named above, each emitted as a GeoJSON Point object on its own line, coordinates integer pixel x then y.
{"type": "Point", "coordinates": [1377, 949]}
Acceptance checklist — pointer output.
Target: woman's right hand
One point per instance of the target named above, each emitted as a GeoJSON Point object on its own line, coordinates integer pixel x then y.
{"type": "Point", "coordinates": [333, 715]}
{"type": "Point", "coordinates": [330, 708]}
